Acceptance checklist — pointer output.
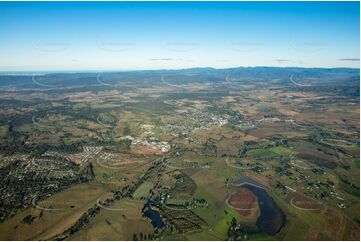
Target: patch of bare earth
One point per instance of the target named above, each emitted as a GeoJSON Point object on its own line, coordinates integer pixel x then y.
{"type": "Point", "coordinates": [145, 150]}
{"type": "Point", "coordinates": [244, 200]}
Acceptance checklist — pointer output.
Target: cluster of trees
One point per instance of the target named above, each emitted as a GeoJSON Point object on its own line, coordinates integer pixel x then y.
{"type": "Point", "coordinates": [238, 231]}
{"type": "Point", "coordinates": [210, 147]}
{"type": "Point", "coordinates": [16, 142]}
{"type": "Point", "coordinates": [142, 236]}
{"type": "Point", "coordinates": [282, 170]}
{"type": "Point", "coordinates": [81, 223]}
{"type": "Point", "coordinates": [30, 218]}
{"type": "Point", "coordinates": [282, 188]}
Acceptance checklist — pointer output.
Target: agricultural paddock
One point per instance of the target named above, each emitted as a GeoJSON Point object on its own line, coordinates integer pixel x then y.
{"type": "Point", "coordinates": [62, 210]}
{"type": "Point", "coordinates": [119, 224]}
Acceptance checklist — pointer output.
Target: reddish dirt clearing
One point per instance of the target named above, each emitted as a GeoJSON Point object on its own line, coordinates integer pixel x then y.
{"type": "Point", "coordinates": [302, 202]}
{"type": "Point", "coordinates": [243, 199]}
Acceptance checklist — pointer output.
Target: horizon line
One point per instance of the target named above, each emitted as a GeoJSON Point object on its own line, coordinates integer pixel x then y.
{"type": "Point", "coordinates": [43, 71]}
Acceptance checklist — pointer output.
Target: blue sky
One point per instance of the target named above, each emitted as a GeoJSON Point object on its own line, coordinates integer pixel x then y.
{"type": "Point", "coordinates": [169, 35]}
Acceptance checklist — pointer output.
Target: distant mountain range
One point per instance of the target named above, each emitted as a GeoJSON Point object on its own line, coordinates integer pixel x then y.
{"type": "Point", "coordinates": [213, 75]}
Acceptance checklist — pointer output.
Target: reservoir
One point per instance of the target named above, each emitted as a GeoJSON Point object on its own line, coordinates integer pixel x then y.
{"type": "Point", "coordinates": [272, 217]}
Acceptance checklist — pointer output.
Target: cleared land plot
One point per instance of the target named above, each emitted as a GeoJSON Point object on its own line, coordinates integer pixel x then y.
{"type": "Point", "coordinates": [143, 190]}
{"type": "Point", "coordinates": [318, 158]}
{"type": "Point", "coordinates": [120, 224]}
{"type": "Point", "coordinates": [244, 201]}
{"type": "Point", "coordinates": [74, 202]}
{"type": "Point", "coordinates": [302, 202]}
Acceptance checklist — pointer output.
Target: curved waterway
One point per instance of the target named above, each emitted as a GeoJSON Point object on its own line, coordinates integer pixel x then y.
{"type": "Point", "coordinates": [272, 218]}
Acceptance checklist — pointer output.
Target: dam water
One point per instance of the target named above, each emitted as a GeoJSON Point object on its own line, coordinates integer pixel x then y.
{"type": "Point", "coordinates": [271, 218]}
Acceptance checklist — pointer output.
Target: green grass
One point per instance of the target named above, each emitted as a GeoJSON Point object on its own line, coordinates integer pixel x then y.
{"type": "Point", "coordinates": [143, 190]}
{"type": "Point", "coordinates": [157, 130]}
{"type": "Point", "coordinates": [296, 229]}
{"type": "Point", "coordinates": [350, 189]}
{"type": "Point", "coordinates": [260, 237]}
{"type": "Point", "coordinates": [223, 223]}
{"type": "Point", "coordinates": [270, 152]}
{"type": "Point", "coordinates": [205, 235]}
{"type": "Point", "coordinates": [261, 153]}
{"type": "Point", "coordinates": [80, 105]}
{"type": "Point", "coordinates": [298, 221]}
{"type": "Point", "coordinates": [357, 163]}
{"type": "Point", "coordinates": [207, 214]}
{"type": "Point", "coordinates": [176, 201]}
{"type": "Point", "coordinates": [282, 151]}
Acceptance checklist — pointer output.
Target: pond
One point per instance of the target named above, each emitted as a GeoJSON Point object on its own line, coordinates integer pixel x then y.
{"type": "Point", "coordinates": [154, 216]}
